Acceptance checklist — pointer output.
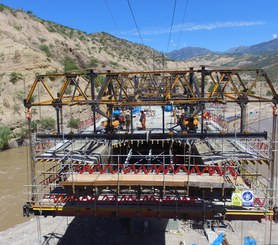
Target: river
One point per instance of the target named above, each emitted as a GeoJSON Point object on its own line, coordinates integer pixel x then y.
{"type": "Point", "coordinates": [13, 177]}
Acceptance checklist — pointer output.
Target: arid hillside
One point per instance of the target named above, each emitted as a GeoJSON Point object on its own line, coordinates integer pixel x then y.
{"type": "Point", "coordinates": [31, 46]}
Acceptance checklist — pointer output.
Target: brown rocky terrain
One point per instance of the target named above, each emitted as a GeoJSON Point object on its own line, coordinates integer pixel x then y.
{"type": "Point", "coordinates": [31, 46]}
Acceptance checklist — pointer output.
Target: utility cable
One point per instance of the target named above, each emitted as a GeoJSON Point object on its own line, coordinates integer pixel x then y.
{"type": "Point", "coordinates": [130, 8]}
{"type": "Point", "coordinates": [182, 22]}
{"type": "Point", "coordinates": [111, 15]}
{"type": "Point", "coordinates": [181, 27]}
{"type": "Point", "coordinates": [172, 22]}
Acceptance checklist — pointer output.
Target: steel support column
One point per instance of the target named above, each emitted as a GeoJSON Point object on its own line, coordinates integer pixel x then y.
{"type": "Point", "coordinates": [131, 120]}
{"type": "Point", "coordinates": [163, 119]}
{"type": "Point", "coordinates": [243, 117]}
{"type": "Point", "coordinates": [203, 95]}
{"type": "Point", "coordinates": [32, 163]}
{"type": "Point", "coordinates": [274, 165]}
{"type": "Point", "coordinates": [58, 119]}
{"type": "Point", "coordinates": [92, 76]}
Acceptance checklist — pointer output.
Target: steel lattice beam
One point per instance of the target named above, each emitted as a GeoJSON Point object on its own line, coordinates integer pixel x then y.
{"type": "Point", "coordinates": [155, 88]}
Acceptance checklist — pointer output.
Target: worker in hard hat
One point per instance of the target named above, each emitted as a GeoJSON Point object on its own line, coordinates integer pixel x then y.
{"type": "Point", "coordinates": [182, 122]}
{"type": "Point", "coordinates": [109, 128]}
{"type": "Point", "coordinates": [143, 119]}
{"type": "Point", "coordinates": [127, 120]}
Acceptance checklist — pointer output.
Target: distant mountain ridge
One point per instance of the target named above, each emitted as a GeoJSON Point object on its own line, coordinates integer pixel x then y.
{"type": "Point", "coordinates": [191, 52]}
{"type": "Point", "coordinates": [269, 46]}
{"type": "Point", "coordinates": [188, 53]}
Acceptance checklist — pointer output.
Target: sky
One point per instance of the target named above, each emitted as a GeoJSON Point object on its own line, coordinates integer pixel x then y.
{"type": "Point", "coordinates": [165, 25]}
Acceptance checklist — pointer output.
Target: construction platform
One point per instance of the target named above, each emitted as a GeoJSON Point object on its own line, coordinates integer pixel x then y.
{"type": "Point", "coordinates": [174, 177]}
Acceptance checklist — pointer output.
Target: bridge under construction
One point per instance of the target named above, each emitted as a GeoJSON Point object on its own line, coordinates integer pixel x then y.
{"type": "Point", "coordinates": [194, 160]}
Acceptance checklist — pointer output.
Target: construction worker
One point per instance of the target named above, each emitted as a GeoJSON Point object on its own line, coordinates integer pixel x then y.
{"type": "Point", "coordinates": [109, 128]}
{"type": "Point", "coordinates": [182, 123]}
{"type": "Point", "coordinates": [127, 121]}
{"type": "Point", "coordinates": [143, 119]}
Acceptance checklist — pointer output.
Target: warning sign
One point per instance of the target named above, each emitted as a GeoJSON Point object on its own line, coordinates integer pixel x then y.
{"type": "Point", "coordinates": [236, 198]}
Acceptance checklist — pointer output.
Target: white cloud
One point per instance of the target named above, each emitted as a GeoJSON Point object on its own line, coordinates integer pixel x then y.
{"type": "Point", "coordinates": [173, 43]}
{"type": "Point", "coordinates": [193, 27]}
{"type": "Point", "coordinates": [274, 36]}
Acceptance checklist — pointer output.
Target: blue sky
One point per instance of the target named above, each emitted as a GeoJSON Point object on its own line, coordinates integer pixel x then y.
{"type": "Point", "coordinates": [214, 24]}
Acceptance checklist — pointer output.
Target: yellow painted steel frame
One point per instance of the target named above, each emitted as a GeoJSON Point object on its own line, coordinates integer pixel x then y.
{"type": "Point", "coordinates": [155, 88]}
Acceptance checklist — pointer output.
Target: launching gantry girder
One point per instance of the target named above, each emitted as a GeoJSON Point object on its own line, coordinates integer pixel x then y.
{"type": "Point", "coordinates": [156, 88]}
{"type": "Point", "coordinates": [158, 173]}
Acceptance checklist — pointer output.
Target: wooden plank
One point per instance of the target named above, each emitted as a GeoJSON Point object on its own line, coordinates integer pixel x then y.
{"type": "Point", "coordinates": [145, 180]}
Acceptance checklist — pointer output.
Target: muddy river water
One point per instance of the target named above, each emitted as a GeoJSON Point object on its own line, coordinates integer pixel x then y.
{"type": "Point", "coordinates": [13, 193]}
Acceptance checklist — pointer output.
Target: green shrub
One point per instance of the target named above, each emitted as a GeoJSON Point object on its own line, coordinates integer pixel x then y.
{"type": "Point", "coordinates": [14, 77]}
{"type": "Point", "coordinates": [45, 49]}
{"type": "Point", "coordinates": [113, 63]}
{"type": "Point", "coordinates": [51, 29]}
{"type": "Point", "coordinates": [48, 123]}
{"type": "Point", "coordinates": [5, 136]}
{"type": "Point", "coordinates": [69, 64]}
{"type": "Point", "coordinates": [74, 123]}
{"type": "Point", "coordinates": [13, 12]}
{"type": "Point", "coordinates": [71, 33]}
{"type": "Point", "coordinates": [23, 133]}
{"type": "Point", "coordinates": [34, 125]}
{"type": "Point", "coordinates": [93, 62]}
{"type": "Point", "coordinates": [2, 8]}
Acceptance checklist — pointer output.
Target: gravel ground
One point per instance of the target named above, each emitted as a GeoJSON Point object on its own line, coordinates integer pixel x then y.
{"type": "Point", "coordinates": [64, 230]}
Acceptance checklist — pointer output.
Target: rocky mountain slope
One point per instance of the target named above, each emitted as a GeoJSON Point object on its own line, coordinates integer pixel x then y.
{"type": "Point", "coordinates": [188, 53]}
{"type": "Point", "coordinates": [263, 56]}
{"type": "Point", "coordinates": [270, 46]}
{"type": "Point", "coordinates": [30, 46]}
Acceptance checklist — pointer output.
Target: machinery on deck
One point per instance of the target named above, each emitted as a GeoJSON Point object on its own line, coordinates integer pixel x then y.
{"type": "Point", "coordinates": [195, 166]}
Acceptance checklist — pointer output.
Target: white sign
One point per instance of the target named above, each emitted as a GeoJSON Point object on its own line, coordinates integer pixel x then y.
{"type": "Point", "coordinates": [247, 198]}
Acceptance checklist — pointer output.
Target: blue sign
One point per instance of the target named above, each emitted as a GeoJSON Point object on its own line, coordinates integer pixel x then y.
{"type": "Point", "coordinates": [247, 198]}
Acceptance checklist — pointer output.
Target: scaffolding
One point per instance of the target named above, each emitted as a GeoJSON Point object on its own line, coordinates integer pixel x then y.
{"type": "Point", "coordinates": [165, 171]}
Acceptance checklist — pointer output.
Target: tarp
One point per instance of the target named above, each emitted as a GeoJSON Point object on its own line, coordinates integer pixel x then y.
{"type": "Point", "coordinates": [218, 240]}
{"type": "Point", "coordinates": [136, 110]}
{"type": "Point", "coordinates": [117, 112]}
{"type": "Point", "coordinates": [249, 240]}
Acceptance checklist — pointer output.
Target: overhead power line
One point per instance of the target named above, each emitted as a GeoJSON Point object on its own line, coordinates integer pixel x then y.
{"type": "Point", "coordinates": [182, 22]}
{"type": "Point", "coordinates": [110, 12]}
{"type": "Point", "coordinates": [172, 23]}
{"type": "Point", "coordinates": [130, 8]}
